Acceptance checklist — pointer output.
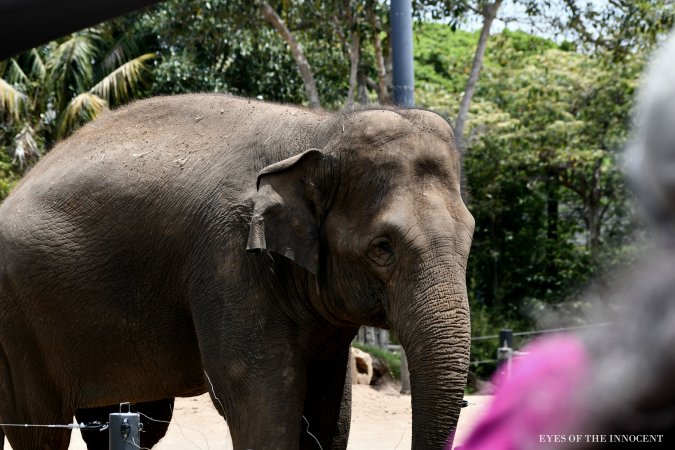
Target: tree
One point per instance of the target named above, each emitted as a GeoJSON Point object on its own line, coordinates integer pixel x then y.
{"type": "Point", "coordinates": [227, 46]}
{"type": "Point", "coordinates": [304, 68]}
{"type": "Point", "coordinates": [49, 91]}
{"type": "Point", "coordinates": [376, 28]}
{"type": "Point", "coordinates": [489, 12]}
{"type": "Point", "coordinates": [617, 28]}
{"type": "Point", "coordinates": [547, 125]}
{"type": "Point", "coordinates": [555, 127]}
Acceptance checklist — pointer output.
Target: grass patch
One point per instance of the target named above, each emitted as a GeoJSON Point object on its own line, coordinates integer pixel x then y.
{"type": "Point", "coordinates": [392, 360]}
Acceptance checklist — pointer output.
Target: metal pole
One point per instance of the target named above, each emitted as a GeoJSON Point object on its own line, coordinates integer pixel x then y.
{"type": "Point", "coordinates": [402, 53]}
{"type": "Point", "coordinates": [505, 351]}
{"type": "Point", "coordinates": [506, 338]}
{"type": "Point", "coordinates": [124, 429]}
{"type": "Point", "coordinates": [404, 94]}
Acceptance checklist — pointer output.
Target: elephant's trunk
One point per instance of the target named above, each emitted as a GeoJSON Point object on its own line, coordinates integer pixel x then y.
{"type": "Point", "coordinates": [434, 329]}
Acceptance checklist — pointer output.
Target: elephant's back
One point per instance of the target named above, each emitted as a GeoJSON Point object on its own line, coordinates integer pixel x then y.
{"type": "Point", "coordinates": [171, 152]}
{"type": "Point", "coordinates": [176, 137]}
{"type": "Point", "coordinates": [160, 177]}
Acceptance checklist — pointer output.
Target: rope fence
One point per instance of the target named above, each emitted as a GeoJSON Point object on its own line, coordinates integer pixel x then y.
{"type": "Point", "coordinates": [535, 332]}
{"type": "Point", "coordinates": [506, 352]}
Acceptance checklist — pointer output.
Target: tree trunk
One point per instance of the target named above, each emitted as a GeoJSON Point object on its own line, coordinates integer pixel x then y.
{"type": "Point", "coordinates": [382, 87]}
{"type": "Point", "coordinates": [489, 14]}
{"type": "Point", "coordinates": [373, 336]}
{"type": "Point", "coordinates": [298, 54]}
{"type": "Point", "coordinates": [552, 219]}
{"type": "Point", "coordinates": [595, 209]}
{"type": "Point", "coordinates": [354, 56]}
{"type": "Point", "coordinates": [594, 229]}
{"type": "Point", "coordinates": [362, 86]}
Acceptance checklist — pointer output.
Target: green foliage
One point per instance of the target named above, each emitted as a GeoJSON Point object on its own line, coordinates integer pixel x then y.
{"type": "Point", "coordinates": [545, 132]}
{"type": "Point", "coordinates": [393, 360]}
{"type": "Point", "coordinates": [8, 177]}
{"type": "Point", "coordinates": [49, 91]}
{"type": "Point", "coordinates": [616, 30]}
{"type": "Point", "coordinates": [223, 46]}
{"type": "Point", "coordinates": [443, 57]}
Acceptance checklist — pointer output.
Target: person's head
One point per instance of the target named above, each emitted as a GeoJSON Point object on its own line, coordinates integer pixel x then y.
{"type": "Point", "coordinates": [630, 388]}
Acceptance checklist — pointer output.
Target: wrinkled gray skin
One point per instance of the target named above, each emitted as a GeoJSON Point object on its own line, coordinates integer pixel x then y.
{"type": "Point", "coordinates": [206, 234]}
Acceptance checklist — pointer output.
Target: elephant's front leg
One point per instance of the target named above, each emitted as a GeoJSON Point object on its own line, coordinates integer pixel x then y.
{"type": "Point", "coordinates": [328, 404]}
{"type": "Point", "coordinates": [261, 399]}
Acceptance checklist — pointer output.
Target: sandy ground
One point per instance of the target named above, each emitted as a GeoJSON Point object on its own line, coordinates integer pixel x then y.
{"type": "Point", "coordinates": [380, 421]}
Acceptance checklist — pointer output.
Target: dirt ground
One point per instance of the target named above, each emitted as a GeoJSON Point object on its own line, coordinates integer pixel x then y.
{"type": "Point", "coordinates": [380, 421]}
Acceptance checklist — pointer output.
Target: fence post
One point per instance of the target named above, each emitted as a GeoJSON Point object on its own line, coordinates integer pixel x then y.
{"type": "Point", "coordinates": [506, 338]}
{"type": "Point", "coordinates": [505, 351]}
{"type": "Point", "coordinates": [124, 429]}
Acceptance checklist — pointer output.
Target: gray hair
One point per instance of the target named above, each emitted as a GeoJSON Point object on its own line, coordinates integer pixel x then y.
{"type": "Point", "coordinates": [650, 157]}
{"type": "Point", "coordinates": [630, 388]}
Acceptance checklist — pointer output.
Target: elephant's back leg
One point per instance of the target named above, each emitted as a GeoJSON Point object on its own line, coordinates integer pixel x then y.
{"type": "Point", "coordinates": [28, 396]}
{"type": "Point", "coordinates": [31, 438]}
{"type": "Point", "coordinates": [41, 408]}
{"type": "Point", "coordinates": [155, 417]}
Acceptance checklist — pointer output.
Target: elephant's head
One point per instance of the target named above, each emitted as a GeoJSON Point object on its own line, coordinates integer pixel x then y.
{"type": "Point", "coordinates": [377, 217]}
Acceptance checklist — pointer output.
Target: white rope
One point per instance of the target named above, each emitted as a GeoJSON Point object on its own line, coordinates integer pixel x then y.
{"type": "Point", "coordinates": [400, 440]}
{"type": "Point", "coordinates": [307, 430]}
{"type": "Point", "coordinates": [154, 420]}
{"type": "Point", "coordinates": [185, 437]}
{"type": "Point", "coordinates": [133, 442]}
{"type": "Point", "coordinates": [70, 426]}
{"type": "Point", "coordinates": [222, 408]}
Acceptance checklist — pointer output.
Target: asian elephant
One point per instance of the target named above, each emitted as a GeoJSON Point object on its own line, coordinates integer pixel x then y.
{"type": "Point", "coordinates": [200, 243]}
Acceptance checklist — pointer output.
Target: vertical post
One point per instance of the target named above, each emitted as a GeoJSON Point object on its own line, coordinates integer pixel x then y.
{"type": "Point", "coordinates": [404, 94]}
{"type": "Point", "coordinates": [506, 338]}
{"type": "Point", "coordinates": [505, 351]}
{"type": "Point", "coordinates": [124, 429]}
{"type": "Point", "coordinates": [402, 53]}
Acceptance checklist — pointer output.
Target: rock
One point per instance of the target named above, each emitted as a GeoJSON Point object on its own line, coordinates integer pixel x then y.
{"type": "Point", "coordinates": [380, 372]}
{"type": "Point", "coordinates": [362, 367]}
{"type": "Point", "coordinates": [382, 380]}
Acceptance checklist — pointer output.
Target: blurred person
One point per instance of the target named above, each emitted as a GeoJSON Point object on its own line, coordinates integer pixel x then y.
{"type": "Point", "coordinates": [614, 387]}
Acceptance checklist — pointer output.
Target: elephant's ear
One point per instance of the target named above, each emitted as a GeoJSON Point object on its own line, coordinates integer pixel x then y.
{"type": "Point", "coordinates": [284, 219]}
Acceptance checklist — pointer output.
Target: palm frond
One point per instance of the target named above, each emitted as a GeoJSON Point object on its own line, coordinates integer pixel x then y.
{"type": "Point", "coordinates": [83, 108]}
{"type": "Point", "coordinates": [15, 73]}
{"type": "Point", "coordinates": [38, 68]}
{"type": "Point", "coordinates": [70, 66]}
{"type": "Point", "coordinates": [25, 147]}
{"type": "Point", "coordinates": [12, 100]}
{"type": "Point", "coordinates": [120, 51]}
{"type": "Point", "coordinates": [118, 86]}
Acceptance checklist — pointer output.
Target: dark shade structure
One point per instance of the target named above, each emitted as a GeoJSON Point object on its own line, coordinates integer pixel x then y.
{"type": "Point", "coordinates": [25, 24]}
{"type": "Point", "coordinates": [402, 53]}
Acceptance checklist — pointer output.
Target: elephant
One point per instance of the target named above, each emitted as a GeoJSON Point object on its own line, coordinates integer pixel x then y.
{"type": "Point", "coordinates": [209, 243]}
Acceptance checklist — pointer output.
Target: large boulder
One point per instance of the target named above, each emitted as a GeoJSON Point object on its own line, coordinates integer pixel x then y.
{"type": "Point", "coordinates": [381, 373]}
{"type": "Point", "coordinates": [362, 367]}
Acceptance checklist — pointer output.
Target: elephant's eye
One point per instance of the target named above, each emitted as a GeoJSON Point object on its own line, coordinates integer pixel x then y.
{"type": "Point", "coordinates": [381, 251]}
